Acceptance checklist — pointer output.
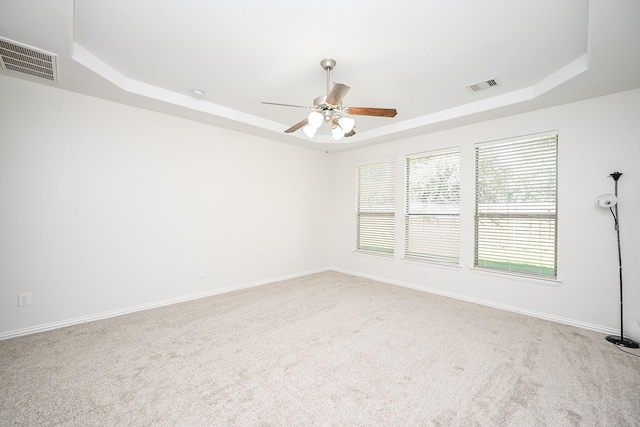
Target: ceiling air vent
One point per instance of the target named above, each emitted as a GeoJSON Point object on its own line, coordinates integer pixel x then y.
{"type": "Point", "coordinates": [27, 60]}
{"type": "Point", "coordinates": [483, 85]}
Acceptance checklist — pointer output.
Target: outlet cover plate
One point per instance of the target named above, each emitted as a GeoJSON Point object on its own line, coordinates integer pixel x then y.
{"type": "Point", "coordinates": [24, 299]}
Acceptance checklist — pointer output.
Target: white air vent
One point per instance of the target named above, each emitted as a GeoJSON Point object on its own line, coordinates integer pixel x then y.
{"type": "Point", "coordinates": [27, 60]}
{"type": "Point", "coordinates": [483, 85]}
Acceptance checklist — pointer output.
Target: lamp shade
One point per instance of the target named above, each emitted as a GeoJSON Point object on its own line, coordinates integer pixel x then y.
{"type": "Point", "coordinates": [607, 200]}
{"type": "Point", "coordinates": [315, 119]}
{"type": "Point", "coordinates": [346, 123]}
{"type": "Point", "coordinates": [309, 130]}
{"type": "Point", "coordinates": [337, 133]}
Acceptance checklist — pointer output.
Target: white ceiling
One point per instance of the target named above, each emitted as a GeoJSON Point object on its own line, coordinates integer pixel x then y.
{"type": "Point", "coordinates": [416, 56]}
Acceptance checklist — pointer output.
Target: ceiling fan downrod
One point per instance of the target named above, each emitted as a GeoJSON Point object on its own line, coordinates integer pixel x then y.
{"type": "Point", "coordinates": [328, 64]}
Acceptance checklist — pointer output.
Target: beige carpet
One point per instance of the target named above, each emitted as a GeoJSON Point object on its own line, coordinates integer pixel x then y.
{"type": "Point", "coordinates": [324, 350]}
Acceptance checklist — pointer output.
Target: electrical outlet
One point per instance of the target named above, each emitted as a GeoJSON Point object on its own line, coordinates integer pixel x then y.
{"type": "Point", "coordinates": [203, 272]}
{"type": "Point", "coordinates": [425, 272]}
{"type": "Point", "coordinates": [24, 299]}
{"type": "Point", "coordinates": [292, 260]}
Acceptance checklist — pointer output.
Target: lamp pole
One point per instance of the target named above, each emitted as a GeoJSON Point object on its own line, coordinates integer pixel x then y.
{"type": "Point", "coordinates": [619, 340]}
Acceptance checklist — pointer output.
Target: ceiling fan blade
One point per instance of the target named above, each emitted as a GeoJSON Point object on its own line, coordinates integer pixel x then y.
{"type": "Point", "coordinates": [378, 112]}
{"type": "Point", "coordinates": [338, 91]}
{"type": "Point", "coordinates": [297, 126]}
{"type": "Point", "coordinates": [286, 105]}
{"type": "Point", "coordinates": [350, 133]}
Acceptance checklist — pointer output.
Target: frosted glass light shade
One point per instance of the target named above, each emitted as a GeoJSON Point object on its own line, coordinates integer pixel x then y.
{"type": "Point", "coordinates": [607, 200]}
{"type": "Point", "coordinates": [309, 130]}
{"type": "Point", "coordinates": [346, 124]}
{"type": "Point", "coordinates": [337, 133]}
{"type": "Point", "coordinates": [315, 119]}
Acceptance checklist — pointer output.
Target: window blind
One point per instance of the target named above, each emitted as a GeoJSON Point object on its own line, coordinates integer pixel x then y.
{"type": "Point", "coordinates": [516, 205]}
{"type": "Point", "coordinates": [432, 220]}
{"type": "Point", "coordinates": [375, 207]}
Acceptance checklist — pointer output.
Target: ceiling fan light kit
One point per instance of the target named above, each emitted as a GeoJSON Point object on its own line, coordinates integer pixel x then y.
{"type": "Point", "coordinates": [327, 109]}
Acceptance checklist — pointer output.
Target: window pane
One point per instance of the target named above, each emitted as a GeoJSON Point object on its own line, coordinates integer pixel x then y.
{"type": "Point", "coordinates": [524, 245]}
{"type": "Point", "coordinates": [516, 218]}
{"type": "Point", "coordinates": [433, 238]}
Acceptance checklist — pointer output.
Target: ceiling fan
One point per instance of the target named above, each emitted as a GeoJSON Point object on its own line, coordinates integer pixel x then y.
{"type": "Point", "coordinates": [328, 109]}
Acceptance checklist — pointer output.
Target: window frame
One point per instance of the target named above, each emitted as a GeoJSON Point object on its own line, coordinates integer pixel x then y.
{"type": "Point", "coordinates": [513, 215]}
{"type": "Point", "coordinates": [375, 224]}
{"type": "Point", "coordinates": [431, 244]}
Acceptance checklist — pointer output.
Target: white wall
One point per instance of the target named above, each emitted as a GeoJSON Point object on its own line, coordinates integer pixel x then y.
{"type": "Point", "coordinates": [596, 137]}
{"type": "Point", "coordinates": [104, 207]}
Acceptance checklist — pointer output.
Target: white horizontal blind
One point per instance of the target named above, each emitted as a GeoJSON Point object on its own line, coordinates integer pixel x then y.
{"type": "Point", "coordinates": [375, 207]}
{"type": "Point", "coordinates": [432, 221]}
{"type": "Point", "coordinates": [516, 199]}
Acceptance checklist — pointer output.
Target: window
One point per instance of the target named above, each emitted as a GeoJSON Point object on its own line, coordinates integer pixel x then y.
{"type": "Point", "coordinates": [375, 207]}
{"type": "Point", "coordinates": [432, 221]}
{"type": "Point", "coordinates": [515, 208]}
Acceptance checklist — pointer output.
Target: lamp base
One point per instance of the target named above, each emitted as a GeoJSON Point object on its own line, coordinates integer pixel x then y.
{"type": "Point", "coordinates": [622, 342]}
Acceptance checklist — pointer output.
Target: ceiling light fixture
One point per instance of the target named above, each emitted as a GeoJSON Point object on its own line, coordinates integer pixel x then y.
{"type": "Point", "coordinates": [329, 109]}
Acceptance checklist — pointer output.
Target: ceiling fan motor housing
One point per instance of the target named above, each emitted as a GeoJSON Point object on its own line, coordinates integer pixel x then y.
{"type": "Point", "coordinates": [319, 101]}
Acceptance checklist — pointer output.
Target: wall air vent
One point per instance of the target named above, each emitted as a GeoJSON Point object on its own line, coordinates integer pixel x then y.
{"type": "Point", "coordinates": [483, 85]}
{"type": "Point", "coordinates": [27, 60]}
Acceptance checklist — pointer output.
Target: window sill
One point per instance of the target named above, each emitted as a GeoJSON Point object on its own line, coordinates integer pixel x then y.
{"type": "Point", "coordinates": [432, 264]}
{"type": "Point", "coordinates": [514, 276]}
{"type": "Point", "coordinates": [377, 255]}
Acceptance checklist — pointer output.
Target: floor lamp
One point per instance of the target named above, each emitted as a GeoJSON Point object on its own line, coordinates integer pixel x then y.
{"type": "Point", "coordinates": [611, 201]}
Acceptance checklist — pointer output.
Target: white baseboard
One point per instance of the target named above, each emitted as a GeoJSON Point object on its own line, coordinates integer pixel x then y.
{"type": "Point", "coordinates": [539, 315]}
{"type": "Point", "coordinates": [127, 310]}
